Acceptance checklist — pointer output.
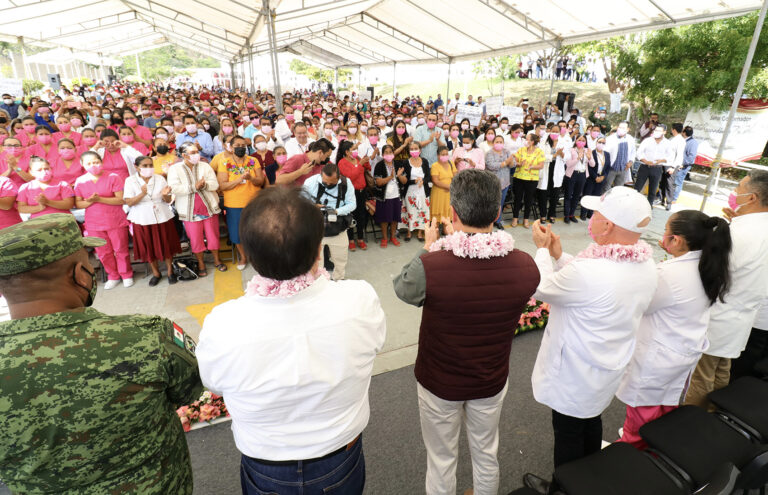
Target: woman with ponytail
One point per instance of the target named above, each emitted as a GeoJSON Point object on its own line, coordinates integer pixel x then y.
{"type": "Point", "coordinates": [673, 331]}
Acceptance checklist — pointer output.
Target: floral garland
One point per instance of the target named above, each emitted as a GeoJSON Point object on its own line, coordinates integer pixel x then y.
{"type": "Point", "coordinates": [269, 287]}
{"type": "Point", "coordinates": [635, 253]}
{"type": "Point", "coordinates": [482, 246]}
{"type": "Point", "coordinates": [534, 317]}
{"type": "Point", "coordinates": [207, 408]}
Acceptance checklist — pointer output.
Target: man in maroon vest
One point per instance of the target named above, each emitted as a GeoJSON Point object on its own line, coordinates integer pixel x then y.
{"type": "Point", "coordinates": [473, 286]}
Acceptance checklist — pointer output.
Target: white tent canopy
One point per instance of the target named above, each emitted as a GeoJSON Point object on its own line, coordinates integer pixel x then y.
{"type": "Point", "coordinates": [346, 32]}
{"type": "Point", "coordinates": [58, 56]}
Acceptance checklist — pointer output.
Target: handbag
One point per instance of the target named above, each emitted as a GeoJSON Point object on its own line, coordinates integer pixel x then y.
{"type": "Point", "coordinates": [185, 268]}
{"type": "Point", "coordinates": [370, 206]}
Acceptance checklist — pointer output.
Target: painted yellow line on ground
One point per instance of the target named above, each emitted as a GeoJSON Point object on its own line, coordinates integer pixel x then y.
{"type": "Point", "coordinates": [226, 286]}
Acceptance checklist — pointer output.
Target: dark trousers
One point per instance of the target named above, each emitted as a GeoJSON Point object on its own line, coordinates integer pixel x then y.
{"type": "Point", "coordinates": [756, 351]}
{"type": "Point", "coordinates": [667, 185]}
{"type": "Point", "coordinates": [592, 188]}
{"type": "Point", "coordinates": [653, 176]}
{"type": "Point", "coordinates": [342, 473]}
{"type": "Point", "coordinates": [554, 193]}
{"type": "Point", "coordinates": [574, 191]}
{"type": "Point", "coordinates": [360, 215]}
{"type": "Point", "coordinates": [541, 199]}
{"type": "Point", "coordinates": [575, 437]}
{"type": "Point", "coordinates": [524, 193]}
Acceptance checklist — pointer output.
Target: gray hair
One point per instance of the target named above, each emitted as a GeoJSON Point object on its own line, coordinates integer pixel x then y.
{"type": "Point", "coordinates": [758, 184]}
{"type": "Point", "coordinates": [476, 197]}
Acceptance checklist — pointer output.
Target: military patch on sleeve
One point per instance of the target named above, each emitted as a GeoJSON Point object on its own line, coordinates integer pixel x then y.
{"type": "Point", "coordinates": [178, 335]}
{"type": "Point", "coordinates": [189, 344]}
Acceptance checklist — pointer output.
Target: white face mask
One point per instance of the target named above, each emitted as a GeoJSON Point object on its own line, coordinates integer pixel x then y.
{"type": "Point", "coordinates": [261, 146]}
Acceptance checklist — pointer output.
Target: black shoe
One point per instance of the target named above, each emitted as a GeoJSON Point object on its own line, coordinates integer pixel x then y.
{"type": "Point", "coordinates": [551, 220]}
{"type": "Point", "coordinates": [172, 278]}
{"type": "Point", "coordinates": [154, 280]}
{"type": "Point", "coordinates": [539, 485]}
{"type": "Point", "coordinates": [583, 218]}
{"type": "Point", "coordinates": [567, 219]}
{"type": "Point", "coordinates": [573, 219]}
{"type": "Point", "coordinates": [407, 239]}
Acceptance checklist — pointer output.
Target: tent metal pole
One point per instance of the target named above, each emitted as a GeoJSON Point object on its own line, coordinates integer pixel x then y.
{"type": "Point", "coordinates": [138, 66]}
{"type": "Point", "coordinates": [714, 174]}
{"type": "Point", "coordinates": [359, 85]}
{"type": "Point", "coordinates": [336, 79]}
{"type": "Point", "coordinates": [252, 77]}
{"type": "Point", "coordinates": [448, 84]}
{"type": "Point", "coordinates": [552, 70]}
{"type": "Point", "coordinates": [273, 53]}
{"type": "Point", "coordinates": [232, 75]}
{"type": "Point", "coordinates": [394, 80]}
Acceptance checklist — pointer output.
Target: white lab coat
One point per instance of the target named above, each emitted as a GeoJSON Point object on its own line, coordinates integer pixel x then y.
{"type": "Point", "coordinates": [564, 143]}
{"type": "Point", "coordinates": [671, 338]}
{"type": "Point", "coordinates": [590, 337]}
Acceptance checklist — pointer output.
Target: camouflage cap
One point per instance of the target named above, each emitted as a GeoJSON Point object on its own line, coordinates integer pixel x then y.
{"type": "Point", "coordinates": [41, 241]}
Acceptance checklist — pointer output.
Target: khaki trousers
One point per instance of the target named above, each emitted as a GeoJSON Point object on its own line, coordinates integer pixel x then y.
{"type": "Point", "coordinates": [712, 373]}
{"type": "Point", "coordinates": [339, 247]}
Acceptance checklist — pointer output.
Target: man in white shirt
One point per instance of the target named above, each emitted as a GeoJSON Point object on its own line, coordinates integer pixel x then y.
{"type": "Point", "coordinates": [621, 147]}
{"type": "Point", "coordinates": [668, 177]}
{"type": "Point", "coordinates": [594, 316]}
{"type": "Point", "coordinates": [299, 144]}
{"type": "Point", "coordinates": [730, 322]}
{"type": "Point", "coordinates": [654, 154]}
{"type": "Point", "coordinates": [294, 356]}
{"type": "Point", "coordinates": [265, 129]}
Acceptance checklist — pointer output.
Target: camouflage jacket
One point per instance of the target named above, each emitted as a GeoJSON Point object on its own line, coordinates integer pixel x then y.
{"type": "Point", "coordinates": [87, 404]}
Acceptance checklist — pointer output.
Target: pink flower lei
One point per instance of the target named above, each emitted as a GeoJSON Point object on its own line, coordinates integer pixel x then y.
{"type": "Point", "coordinates": [482, 246]}
{"type": "Point", "coordinates": [636, 253]}
{"type": "Point", "coordinates": [269, 287]}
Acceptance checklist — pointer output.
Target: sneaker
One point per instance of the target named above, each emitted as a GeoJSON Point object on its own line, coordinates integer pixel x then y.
{"type": "Point", "coordinates": [394, 241]}
{"type": "Point", "coordinates": [352, 245]}
{"type": "Point", "coordinates": [128, 282]}
{"type": "Point", "coordinates": [241, 267]}
{"type": "Point", "coordinates": [362, 245]}
{"type": "Point", "coordinates": [111, 284]}
{"type": "Point", "coordinates": [383, 243]}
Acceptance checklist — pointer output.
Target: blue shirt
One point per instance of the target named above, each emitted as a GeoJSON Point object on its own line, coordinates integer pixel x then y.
{"type": "Point", "coordinates": [423, 133]}
{"type": "Point", "coordinates": [201, 137]}
{"type": "Point", "coordinates": [437, 103]}
{"type": "Point", "coordinates": [39, 121]}
{"type": "Point", "coordinates": [12, 109]}
{"type": "Point", "coordinates": [691, 148]}
{"type": "Point", "coordinates": [328, 198]}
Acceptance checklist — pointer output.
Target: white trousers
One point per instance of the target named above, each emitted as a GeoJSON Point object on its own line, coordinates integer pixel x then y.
{"type": "Point", "coordinates": [339, 247]}
{"type": "Point", "coordinates": [440, 426]}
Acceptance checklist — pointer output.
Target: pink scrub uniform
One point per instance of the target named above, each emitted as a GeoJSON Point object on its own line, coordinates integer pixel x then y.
{"type": "Point", "coordinates": [8, 217]}
{"type": "Point", "coordinates": [29, 192]}
{"type": "Point", "coordinates": [75, 137]}
{"type": "Point", "coordinates": [68, 175]}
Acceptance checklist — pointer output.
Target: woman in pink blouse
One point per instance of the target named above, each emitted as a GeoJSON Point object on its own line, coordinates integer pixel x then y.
{"type": "Point", "coordinates": [9, 214]}
{"type": "Point", "coordinates": [44, 195]}
{"type": "Point", "coordinates": [67, 166]}
{"type": "Point", "coordinates": [468, 155]}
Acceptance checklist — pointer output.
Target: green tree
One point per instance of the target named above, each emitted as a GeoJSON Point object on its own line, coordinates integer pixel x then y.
{"type": "Point", "coordinates": [318, 74]}
{"type": "Point", "coordinates": [164, 62]}
{"type": "Point", "coordinates": [607, 52]}
{"type": "Point", "coordinates": [695, 66]}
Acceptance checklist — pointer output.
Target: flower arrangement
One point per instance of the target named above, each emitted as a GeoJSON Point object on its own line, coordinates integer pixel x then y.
{"type": "Point", "coordinates": [267, 287]}
{"type": "Point", "coordinates": [207, 408]}
{"type": "Point", "coordinates": [534, 316]}
{"type": "Point", "coordinates": [482, 246]}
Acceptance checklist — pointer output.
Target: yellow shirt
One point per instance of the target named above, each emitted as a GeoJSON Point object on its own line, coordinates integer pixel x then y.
{"type": "Point", "coordinates": [216, 161]}
{"type": "Point", "coordinates": [240, 195]}
{"type": "Point", "coordinates": [163, 162]}
{"type": "Point", "coordinates": [525, 161]}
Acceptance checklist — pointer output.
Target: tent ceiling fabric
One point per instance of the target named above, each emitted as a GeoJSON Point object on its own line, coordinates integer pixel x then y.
{"type": "Point", "coordinates": [339, 33]}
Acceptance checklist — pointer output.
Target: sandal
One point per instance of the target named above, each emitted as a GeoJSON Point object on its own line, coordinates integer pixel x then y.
{"type": "Point", "coordinates": [221, 267]}
{"type": "Point", "coordinates": [202, 273]}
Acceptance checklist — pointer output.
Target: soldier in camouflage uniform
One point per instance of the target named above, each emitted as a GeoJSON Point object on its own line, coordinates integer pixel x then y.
{"type": "Point", "coordinates": [87, 400]}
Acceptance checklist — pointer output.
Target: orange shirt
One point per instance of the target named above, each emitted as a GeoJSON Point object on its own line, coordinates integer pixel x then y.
{"type": "Point", "coordinates": [243, 193]}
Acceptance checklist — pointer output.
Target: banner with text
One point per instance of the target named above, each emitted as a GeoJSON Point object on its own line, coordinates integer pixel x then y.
{"type": "Point", "coordinates": [746, 139]}
{"type": "Point", "coordinates": [493, 105]}
{"type": "Point", "coordinates": [12, 87]}
{"type": "Point", "coordinates": [473, 113]}
{"type": "Point", "coordinates": [514, 114]}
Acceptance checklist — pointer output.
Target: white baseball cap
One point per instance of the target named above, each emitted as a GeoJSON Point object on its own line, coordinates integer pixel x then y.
{"type": "Point", "coordinates": [623, 206]}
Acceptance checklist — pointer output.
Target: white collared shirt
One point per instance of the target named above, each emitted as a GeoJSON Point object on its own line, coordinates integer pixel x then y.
{"type": "Point", "coordinates": [730, 322]}
{"type": "Point", "coordinates": [651, 150]}
{"type": "Point", "coordinates": [151, 209]}
{"type": "Point", "coordinates": [590, 337]}
{"type": "Point", "coordinates": [294, 371]}
{"type": "Point", "coordinates": [293, 147]}
{"type": "Point", "coordinates": [671, 338]}
{"type": "Point", "coordinates": [678, 146]}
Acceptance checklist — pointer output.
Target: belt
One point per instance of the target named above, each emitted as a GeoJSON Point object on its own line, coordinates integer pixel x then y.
{"type": "Point", "coordinates": [343, 448]}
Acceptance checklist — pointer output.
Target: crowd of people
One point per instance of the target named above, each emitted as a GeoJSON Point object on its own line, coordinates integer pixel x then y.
{"type": "Point", "coordinates": [92, 400]}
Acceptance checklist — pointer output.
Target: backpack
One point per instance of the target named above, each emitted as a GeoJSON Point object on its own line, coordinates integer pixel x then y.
{"type": "Point", "coordinates": [343, 222]}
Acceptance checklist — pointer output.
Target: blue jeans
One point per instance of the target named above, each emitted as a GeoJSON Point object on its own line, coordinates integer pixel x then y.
{"type": "Point", "coordinates": [503, 196]}
{"type": "Point", "coordinates": [340, 474]}
{"type": "Point", "coordinates": [679, 178]}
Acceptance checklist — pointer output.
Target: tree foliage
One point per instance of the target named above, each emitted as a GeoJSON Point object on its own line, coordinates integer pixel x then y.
{"type": "Point", "coordinates": [161, 63]}
{"type": "Point", "coordinates": [608, 51]}
{"type": "Point", "coordinates": [318, 74]}
{"type": "Point", "coordinates": [695, 66]}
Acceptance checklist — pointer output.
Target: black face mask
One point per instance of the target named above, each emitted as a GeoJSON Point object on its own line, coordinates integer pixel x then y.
{"type": "Point", "coordinates": [162, 149]}
{"type": "Point", "coordinates": [91, 290]}
{"type": "Point", "coordinates": [3, 120]}
{"type": "Point", "coordinates": [239, 151]}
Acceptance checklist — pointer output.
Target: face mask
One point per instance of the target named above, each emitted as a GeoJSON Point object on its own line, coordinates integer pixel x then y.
{"type": "Point", "coordinates": [594, 134]}
{"type": "Point", "coordinates": [400, 131]}
{"type": "Point", "coordinates": [29, 128]}
{"type": "Point", "coordinates": [498, 146]}
{"type": "Point", "coordinates": [177, 123]}
{"type": "Point", "coordinates": [467, 146]}
{"type": "Point", "coordinates": [443, 158]}
{"type": "Point", "coordinates": [290, 117]}
{"type": "Point", "coordinates": [621, 132]}
{"type": "Point", "coordinates": [157, 113]}
{"type": "Point", "coordinates": [431, 125]}
{"type": "Point", "coordinates": [206, 126]}
{"type": "Point", "coordinates": [363, 129]}
{"type": "Point", "coordinates": [389, 157]}
{"type": "Point", "coordinates": [162, 149]}
{"type": "Point", "coordinates": [342, 138]}
{"type": "Point", "coordinates": [353, 130]}
{"type": "Point", "coordinates": [91, 290]}
{"type": "Point", "coordinates": [489, 138]}
{"type": "Point", "coordinates": [658, 134]}
{"type": "Point", "coordinates": [191, 128]}
{"type": "Point", "coordinates": [127, 139]}
{"type": "Point", "coordinates": [328, 132]}
{"type": "Point", "coordinates": [43, 138]}
{"type": "Point", "coordinates": [414, 153]}
{"type": "Point", "coordinates": [465, 126]}
{"type": "Point", "coordinates": [281, 159]}
{"type": "Point", "coordinates": [65, 127]}
{"type": "Point", "coordinates": [600, 146]}
{"type": "Point", "coordinates": [168, 113]}
{"type": "Point", "coordinates": [266, 129]}
{"type": "Point", "coordinates": [580, 144]}
{"type": "Point", "coordinates": [7, 101]}
{"type": "Point", "coordinates": [261, 146]}
{"type": "Point", "coordinates": [421, 121]}
{"type": "Point", "coordinates": [93, 169]}
{"type": "Point", "coordinates": [504, 126]}
{"type": "Point", "coordinates": [131, 122]}
{"type": "Point", "coordinates": [239, 151]}
{"type": "Point", "coordinates": [373, 139]}
{"type": "Point", "coordinates": [563, 132]}
{"type": "Point", "coordinates": [146, 172]}
{"type": "Point", "coordinates": [382, 123]}
{"type": "Point", "coordinates": [194, 159]}
{"type": "Point", "coordinates": [355, 154]}
{"type": "Point", "coordinates": [168, 128]}
{"type": "Point", "coordinates": [42, 175]}
{"type": "Point", "coordinates": [67, 153]}
{"type": "Point", "coordinates": [515, 135]}
{"type": "Point", "coordinates": [732, 204]}
{"type": "Point", "coordinates": [106, 116]}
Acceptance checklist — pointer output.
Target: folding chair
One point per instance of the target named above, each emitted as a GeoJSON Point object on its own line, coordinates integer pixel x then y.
{"type": "Point", "coordinates": [745, 402]}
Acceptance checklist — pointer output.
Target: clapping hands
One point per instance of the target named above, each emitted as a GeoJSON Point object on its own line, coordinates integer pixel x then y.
{"type": "Point", "coordinates": [543, 237]}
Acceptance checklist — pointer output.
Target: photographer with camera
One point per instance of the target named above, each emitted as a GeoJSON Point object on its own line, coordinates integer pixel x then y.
{"type": "Point", "coordinates": [334, 194]}
{"type": "Point", "coordinates": [299, 168]}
